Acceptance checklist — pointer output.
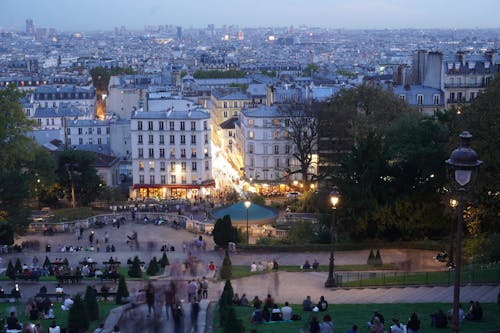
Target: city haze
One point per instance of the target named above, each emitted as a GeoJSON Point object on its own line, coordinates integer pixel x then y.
{"type": "Point", "coordinates": [357, 14]}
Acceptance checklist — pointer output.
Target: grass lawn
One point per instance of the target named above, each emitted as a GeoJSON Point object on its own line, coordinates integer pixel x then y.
{"type": "Point", "coordinates": [61, 316]}
{"type": "Point", "coordinates": [244, 271]}
{"type": "Point", "coordinates": [345, 315]}
{"type": "Point", "coordinates": [489, 275]}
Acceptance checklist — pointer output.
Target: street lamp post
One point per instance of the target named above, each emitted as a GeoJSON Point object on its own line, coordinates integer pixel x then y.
{"type": "Point", "coordinates": [247, 206]}
{"type": "Point", "coordinates": [334, 200]}
{"type": "Point", "coordinates": [463, 165]}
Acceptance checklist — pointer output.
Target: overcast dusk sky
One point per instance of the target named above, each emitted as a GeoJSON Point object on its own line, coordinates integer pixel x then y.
{"type": "Point", "coordinates": [81, 15]}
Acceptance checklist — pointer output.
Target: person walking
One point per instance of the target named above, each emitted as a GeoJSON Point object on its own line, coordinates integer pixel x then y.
{"type": "Point", "coordinates": [150, 297]}
{"type": "Point", "coordinates": [106, 237]}
{"type": "Point", "coordinates": [169, 300]}
{"type": "Point", "coordinates": [195, 309]}
{"type": "Point", "coordinates": [177, 315]}
{"type": "Point", "coordinates": [204, 288]}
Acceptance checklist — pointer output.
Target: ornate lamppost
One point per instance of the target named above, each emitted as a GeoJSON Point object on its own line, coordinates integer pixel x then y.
{"type": "Point", "coordinates": [463, 166]}
{"type": "Point", "coordinates": [334, 200]}
{"type": "Point", "coordinates": [247, 206]}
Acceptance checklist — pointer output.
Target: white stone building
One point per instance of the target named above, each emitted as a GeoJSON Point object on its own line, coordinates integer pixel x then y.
{"type": "Point", "coordinates": [171, 155]}
{"type": "Point", "coordinates": [266, 148]}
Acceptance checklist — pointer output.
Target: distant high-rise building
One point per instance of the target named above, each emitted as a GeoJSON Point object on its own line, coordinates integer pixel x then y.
{"type": "Point", "coordinates": [241, 35]}
{"type": "Point", "coordinates": [30, 27]}
{"type": "Point", "coordinates": [211, 29]}
{"type": "Point", "coordinates": [179, 33]}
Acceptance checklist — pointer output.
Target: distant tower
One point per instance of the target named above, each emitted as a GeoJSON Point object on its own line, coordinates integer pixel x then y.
{"type": "Point", "coordinates": [211, 29]}
{"type": "Point", "coordinates": [30, 27]}
{"type": "Point", "coordinates": [179, 33]}
{"type": "Point", "coordinates": [241, 35]}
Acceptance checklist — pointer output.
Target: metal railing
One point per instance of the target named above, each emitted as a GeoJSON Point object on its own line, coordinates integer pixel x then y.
{"type": "Point", "coordinates": [398, 278]}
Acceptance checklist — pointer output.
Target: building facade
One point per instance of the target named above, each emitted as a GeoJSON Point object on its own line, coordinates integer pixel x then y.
{"type": "Point", "coordinates": [171, 153]}
{"type": "Point", "coordinates": [265, 148]}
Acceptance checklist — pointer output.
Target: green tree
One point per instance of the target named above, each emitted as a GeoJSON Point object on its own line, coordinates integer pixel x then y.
{"type": "Point", "coordinates": [18, 267]}
{"type": "Point", "coordinates": [226, 271]}
{"type": "Point", "coordinates": [301, 233]}
{"type": "Point", "coordinates": [164, 260]}
{"type": "Point", "coordinates": [78, 318]}
{"type": "Point", "coordinates": [226, 299]}
{"type": "Point", "coordinates": [482, 119]}
{"type": "Point", "coordinates": [16, 161]}
{"type": "Point", "coordinates": [153, 267]}
{"type": "Point", "coordinates": [310, 69]}
{"type": "Point", "coordinates": [258, 200]}
{"type": "Point", "coordinates": [135, 268]}
{"type": "Point", "coordinates": [75, 169]}
{"type": "Point", "coordinates": [122, 291]}
{"type": "Point", "coordinates": [232, 324]}
{"type": "Point", "coordinates": [91, 304]}
{"type": "Point", "coordinates": [224, 232]}
{"type": "Point", "coordinates": [6, 234]}
{"type": "Point", "coordinates": [11, 271]}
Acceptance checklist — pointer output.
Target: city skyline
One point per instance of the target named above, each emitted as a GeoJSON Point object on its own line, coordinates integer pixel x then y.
{"type": "Point", "coordinates": [358, 14]}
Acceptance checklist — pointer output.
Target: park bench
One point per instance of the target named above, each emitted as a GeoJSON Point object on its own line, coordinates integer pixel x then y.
{"type": "Point", "coordinates": [104, 296]}
{"type": "Point", "coordinates": [7, 297]}
{"type": "Point", "coordinates": [69, 279]}
{"type": "Point", "coordinates": [26, 277]}
{"type": "Point", "coordinates": [56, 296]}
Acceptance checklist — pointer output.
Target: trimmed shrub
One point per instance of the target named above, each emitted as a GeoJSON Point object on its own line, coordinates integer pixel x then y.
{"type": "Point", "coordinates": [226, 269]}
{"type": "Point", "coordinates": [122, 291]}
{"type": "Point", "coordinates": [11, 271]}
{"type": "Point", "coordinates": [91, 303]}
{"type": "Point", "coordinates": [18, 267]}
{"type": "Point", "coordinates": [164, 260]}
{"type": "Point", "coordinates": [135, 268]}
{"type": "Point", "coordinates": [46, 262]}
{"type": "Point", "coordinates": [153, 267]}
{"type": "Point", "coordinates": [226, 299]}
{"type": "Point", "coordinates": [78, 317]}
{"type": "Point", "coordinates": [378, 259]}
{"type": "Point", "coordinates": [371, 258]}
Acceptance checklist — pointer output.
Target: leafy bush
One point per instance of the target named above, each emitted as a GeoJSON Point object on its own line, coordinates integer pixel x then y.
{"type": "Point", "coordinates": [226, 270]}
{"type": "Point", "coordinates": [10, 272]}
{"type": "Point", "coordinates": [78, 317]}
{"type": "Point", "coordinates": [135, 268]}
{"type": "Point", "coordinates": [164, 260]}
{"type": "Point", "coordinates": [153, 267]}
{"type": "Point", "coordinates": [122, 291]}
{"type": "Point", "coordinates": [259, 200]}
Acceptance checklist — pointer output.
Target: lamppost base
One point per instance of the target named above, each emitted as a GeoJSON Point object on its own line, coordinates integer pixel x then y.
{"type": "Point", "coordinates": [330, 283]}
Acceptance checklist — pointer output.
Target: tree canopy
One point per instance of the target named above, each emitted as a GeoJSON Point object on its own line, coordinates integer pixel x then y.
{"type": "Point", "coordinates": [224, 232]}
{"type": "Point", "coordinates": [21, 161]}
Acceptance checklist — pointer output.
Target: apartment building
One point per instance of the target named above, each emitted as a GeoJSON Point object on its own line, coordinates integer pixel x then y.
{"type": "Point", "coordinates": [171, 155]}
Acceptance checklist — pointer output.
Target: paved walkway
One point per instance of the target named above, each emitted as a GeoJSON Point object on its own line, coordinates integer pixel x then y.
{"type": "Point", "coordinates": [284, 286]}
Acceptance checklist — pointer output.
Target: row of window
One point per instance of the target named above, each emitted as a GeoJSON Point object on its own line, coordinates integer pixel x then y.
{"type": "Point", "coordinates": [276, 149]}
{"type": "Point", "coordinates": [64, 96]}
{"type": "Point", "coordinates": [172, 153]}
{"type": "Point", "coordinates": [236, 104]}
{"type": "Point", "coordinates": [278, 163]}
{"type": "Point", "coordinates": [274, 122]}
{"type": "Point", "coordinates": [171, 125]}
{"type": "Point", "coordinates": [268, 135]}
{"type": "Point", "coordinates": [161, 139]}
{"type": "Point", "coordinates": [163, 180]}
{"type": "Point", "coordinates": [420, 99]}
{"type": "Point", "coordinates": [90, 130]}
{"type": "Point", "coordinates": [90, 141]}
{"type": "Point", "coordinates": [174, 166]}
